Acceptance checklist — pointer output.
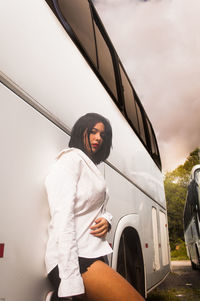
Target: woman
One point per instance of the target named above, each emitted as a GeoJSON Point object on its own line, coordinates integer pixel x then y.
{"type": "Point", "coordinates": [76, 255]}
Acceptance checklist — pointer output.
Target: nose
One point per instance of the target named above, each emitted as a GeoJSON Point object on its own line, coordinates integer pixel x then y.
{"type": "Point", "coordinates": [98, 137]}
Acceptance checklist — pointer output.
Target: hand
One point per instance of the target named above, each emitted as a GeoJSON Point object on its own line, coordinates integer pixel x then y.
{"type": "Point", "coordinates": [101, 227]}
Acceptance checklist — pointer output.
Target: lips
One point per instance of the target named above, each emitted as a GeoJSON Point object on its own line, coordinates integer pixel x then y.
{"type": "Point", "coordinates": [96, 145]}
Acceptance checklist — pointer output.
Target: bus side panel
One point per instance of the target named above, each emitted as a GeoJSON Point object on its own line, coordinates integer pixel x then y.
{"type": "Point", "coordinates": [191, 217]}
{"type": "Point", "coordinates": [29, 144]}
{"type": "Point", "coordinates": [192, 241]}
{"type": "Point", "coordinates": [127, 200]}
{"type": "Point", "coordinates": [48, 66]}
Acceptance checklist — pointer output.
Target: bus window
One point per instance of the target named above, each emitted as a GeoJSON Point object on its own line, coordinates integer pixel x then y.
{"type": "Point", "coordinates": [141, 124]}
{"type": "Point", "coordinates": [105, 62]}
{"type": "Point", "coordinates": [153, 145]}
{"type": "Point", "coordinates": [129, 101]}
{"type": "Point", "coordinates": [156, 262]}
{"type": "Point", "coordinates": [190, 203]}
{"type": "Point", "coordinates": [78, 15]}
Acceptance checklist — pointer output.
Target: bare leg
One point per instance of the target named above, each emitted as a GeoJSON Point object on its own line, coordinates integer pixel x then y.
{"type": "Point", "coordinates": [102, 283]}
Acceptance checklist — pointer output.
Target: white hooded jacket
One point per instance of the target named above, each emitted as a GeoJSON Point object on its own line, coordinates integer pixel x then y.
{"type": "Point", "coordinates": [77, 195]}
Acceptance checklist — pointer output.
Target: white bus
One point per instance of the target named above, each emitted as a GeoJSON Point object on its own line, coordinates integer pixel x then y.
{"type": "Point", "coordinates": [56, 64]}
{"type": "Point", "coordinates": [191, 218]}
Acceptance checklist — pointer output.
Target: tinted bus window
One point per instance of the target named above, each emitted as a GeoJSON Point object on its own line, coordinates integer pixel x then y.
{"type": "Point", "coordinates": [141, 124]}
{"type": "Point", "coordinates": [154, 149]}
{"type": "Point", "coordinates": [78, 15]}
{"type": "Point", "coordinates": [129, 101]}
{"type": "Point", "coordinates": [105, 62]}
{"type": "Point", "coordinates": [152, 140]}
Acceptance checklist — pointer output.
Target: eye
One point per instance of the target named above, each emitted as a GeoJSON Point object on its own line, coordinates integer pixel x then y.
{"type": "Point", "coordinates": [93, 131]}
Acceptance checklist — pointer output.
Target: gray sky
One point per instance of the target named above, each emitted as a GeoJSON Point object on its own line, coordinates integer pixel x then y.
{"type": "Point", "coordinates": [158, 42]}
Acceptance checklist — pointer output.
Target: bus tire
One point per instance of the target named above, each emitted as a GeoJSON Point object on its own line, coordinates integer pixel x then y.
{"type": "Point", "coordinates": [194, 265]}
{"type": "Point", "coordinates": [130, 260]}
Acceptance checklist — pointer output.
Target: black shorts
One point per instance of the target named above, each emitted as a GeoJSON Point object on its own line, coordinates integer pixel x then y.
{"type": "Point", "coordinates": [84, 263]}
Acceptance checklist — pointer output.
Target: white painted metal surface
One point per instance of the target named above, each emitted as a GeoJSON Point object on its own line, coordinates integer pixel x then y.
{"type": "Point", "coordinates": [39, 62]}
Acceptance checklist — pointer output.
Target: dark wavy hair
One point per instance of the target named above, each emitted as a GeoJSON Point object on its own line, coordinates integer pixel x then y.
{"type": "Point", "coordinates": [87, 122]}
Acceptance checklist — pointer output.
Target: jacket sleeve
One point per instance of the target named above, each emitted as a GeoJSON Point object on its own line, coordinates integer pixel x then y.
{"type": "Point", "coordinates": [106, 214]}
{"type": "Point", "coordinates": [61, 186]}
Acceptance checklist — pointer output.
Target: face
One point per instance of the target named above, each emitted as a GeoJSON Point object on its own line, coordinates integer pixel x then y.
{"type": "Point", "coordinates": [95, 137]}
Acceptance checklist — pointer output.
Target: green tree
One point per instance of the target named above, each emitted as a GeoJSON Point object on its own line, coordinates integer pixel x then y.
{"type": "Point", "coordinates": [176, 183]}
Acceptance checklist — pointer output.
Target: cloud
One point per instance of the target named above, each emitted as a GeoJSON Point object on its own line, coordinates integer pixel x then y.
{"type": "Point", "coordinates": [158, 42]}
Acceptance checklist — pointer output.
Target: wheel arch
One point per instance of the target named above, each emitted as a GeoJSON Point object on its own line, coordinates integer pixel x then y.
{"type": "Point", "coordinates": [127, 241]}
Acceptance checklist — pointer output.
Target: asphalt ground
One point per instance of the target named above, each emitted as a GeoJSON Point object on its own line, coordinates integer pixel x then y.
{"type": "Point", "coordinates": [183, 283]}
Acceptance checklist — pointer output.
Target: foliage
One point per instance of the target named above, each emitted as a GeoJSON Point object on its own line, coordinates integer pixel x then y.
{"type": "Point", "coordinates": [176, 189]}
{"type": "Point", "coordinates": [180, 251]}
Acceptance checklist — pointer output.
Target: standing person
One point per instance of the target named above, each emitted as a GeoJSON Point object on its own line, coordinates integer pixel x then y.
{"type": "Point", "coordinates": [76, 254]}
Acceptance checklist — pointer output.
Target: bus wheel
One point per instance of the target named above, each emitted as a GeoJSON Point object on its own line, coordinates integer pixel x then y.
{"type": "Point", "coordinates": [130, 261]}
{"type": "Point", "coordinates": [194, 265]}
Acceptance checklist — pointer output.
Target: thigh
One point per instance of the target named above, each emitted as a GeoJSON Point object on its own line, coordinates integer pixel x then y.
{"type": "Point", "coordinates": [102, 283]}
